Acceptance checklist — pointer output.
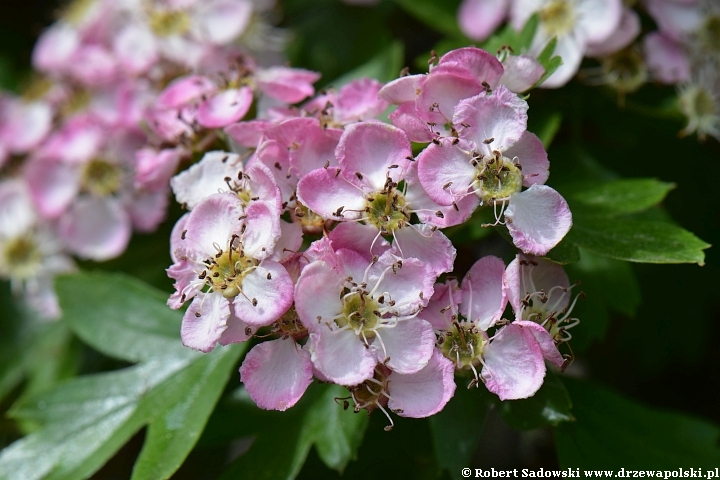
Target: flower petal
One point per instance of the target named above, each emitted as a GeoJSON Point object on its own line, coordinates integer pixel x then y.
{"type": "Point", "coordinates": [407, 346]}
{"type": "Point", "coordinates": [341, 357]}
{"type": "Point", "coordinates": [514, 366]}
{"type": "Point", "coordinates": [276, 373]}
{"type": "Point", "coordinates": [267, 293]}
{"type": "Point", "coordinates": [424, 393]}
{"type": "Point", "coordinates": [483, 296]}
{"type": "Point", "coordinates": [204, 321]}
{"type": "Point", "coordinates": [538, 219]}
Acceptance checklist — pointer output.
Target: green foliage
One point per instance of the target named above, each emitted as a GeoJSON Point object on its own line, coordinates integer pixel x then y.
{"type": "Point", "coordinates": [610, 286]}
{"type": "Point", "coordinates": [611, 432]}
{"type": "Point", "coordinates": [439, 15]}
{"type": "Point", "coordinates": [83, 421]}
{"type": "Point", "coordinates": [551, 405]}
{"type": "Point", "coordinates": [316, 420]}
{"type": "Point", "coordinates": [456, 429]}
{"type": "Point", "coordinates": [385, 66]}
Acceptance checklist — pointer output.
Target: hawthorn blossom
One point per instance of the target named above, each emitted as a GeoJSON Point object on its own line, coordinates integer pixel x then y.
{"type": "Point", "coordinates": [539, 291]}
{"type": "Point", "coordinates": [414, 395]}
{"type": "Point", "coordinates": [30, 253]}
{"type": "Point", "coordinates": [222, 264]}
{"type": "Point", "coordinates": [363, 313]}
{"type": "Point", "coordinates": [512, 360]}
{"type": "Point", "coordinates": [492, 158]}
{"type": "Point", "coordinates": [427, 102]}
{"type": "Point", "coordinates": [575, 23]}
{"type": "Point", "coordinates": [479, 18]}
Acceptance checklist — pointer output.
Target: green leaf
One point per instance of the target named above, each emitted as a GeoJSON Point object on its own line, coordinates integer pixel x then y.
{"type": "Point", "coordinates": [337, 433]}
{"type": "Point", "coordinates": [282, 440]}
{"type": "Point", "coordinates": [172, 435]}
{"type": "Point", "coordinates": [457, 428]}
{"type": "Point", "coordinates": [564, 253]}
{"type": "Point", "coordinates": [636, 240]}
{"type": "Point", "coordinates": [610, 285]}
{"type": "Point", "coordinates": [611, 432]}
{"type": "Point", "coordinates": [547, 60]}
{"type": "Point", "coordinates": [527, 34]}
{"type": "Point", "coordinates": [385, 66]}
{"type": "Point", "coordinates": [82, 422]}
{"type": "Point", "coordinates": [619, 197]}
{"type": "Point", "coordinates": [549, 406]}
{"type": "Point", "coordinates": [545, 126]}
{"type": "Point", "coordinates": [32, 348]}
{"type": "Point", "coordinates": [120, 316]}
{"type": "Point", "coordinates": [439, 15]}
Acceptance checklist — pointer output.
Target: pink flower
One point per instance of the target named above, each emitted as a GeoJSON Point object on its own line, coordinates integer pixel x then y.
{"type": "Point", "coordinates": [362, 313]}
{"type": "Point", "coordinates": [225, 247]}
{"type": "Point", "coordinates": [492, 159]}
{"type": "Point", "coordinates": [427, 102]}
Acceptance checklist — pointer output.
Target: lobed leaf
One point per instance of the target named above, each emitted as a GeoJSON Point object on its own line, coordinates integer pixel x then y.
{"type": "Point", "coordinates": [612, 432]}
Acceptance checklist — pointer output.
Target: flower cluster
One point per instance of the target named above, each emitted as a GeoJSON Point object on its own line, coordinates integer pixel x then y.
{"type": "Point", "coordinates": [124, 92]}
{"type": "Point", "coordinates": [682, 51]}
{"type": "Point", "coordinates": [319, 237]}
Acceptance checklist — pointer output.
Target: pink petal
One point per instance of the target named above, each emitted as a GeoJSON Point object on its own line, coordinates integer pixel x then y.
{"type": "Point", "coordinates": [204, 321]}
{"type": "Point", "coordinates": [225, 107]}
{"type": "Point", "coordinates": [237, 331]}
{"type": "Point", "coordinates": [370, 148]}
{"type": "Point", "coordinates": [445, 172]}
{"type": "Point", "coordinates": [522, 278]}
{"type": "Point", "coordinates": [96, 228]}
{"type": "Point", "coordinates": [220, 22]}
{"type": "Point", "coordinates": [262, 230]}
{"type": "Point", "coordinates": [135, 48]}
{"type": "Point", "coordinates": [445, 87]}
{"type": "Point", "coordinates": [443, 305]}
{"type": "Point", "coordinates": [532, 157]}
{"type": "Point", "coordinates": [341, 357]}
{"type": "Point", "coordinates": [521, 72]}
{"type": "Point", "coordinates": [410, 286]}
{"type": "Point", "coordinates": [359, 238]}
{"type": "Point", "coordinates": [325, 191]}
{"type": "Point", "coordinates": [154, 168]}
{"type": "Point", "coordinates": [666, 60]}
{"type": "Point", "coordinates": [53, 185]}
{"type": "Point", "coordinates": [676, 19]}
{"type": "Point", "coordinates": [627, 30]}
{"type": "Point", "coordinates": [483, 296]}
{"type": "Point", "coordinates": [212, 222]}
{"type": "Point", "coordinates": [276, 374]}
{"type": "Point", "coordinates": [358, 100]}
{"type": "Point", "coordinates": [483, 65]}
{"type": "Point", "coordinates": [267, 293]}
{"type": "Point", "coordinates": [248, 134]}
{"type": "Point", "coordinates": [500, 116]}
{"type": "Point", "coordinates": [148, 209]}
{"type": "Point", "coordinates": [406, 117]}
{"type": "Point", "coordinates": [425, 393]}
{"type": "Point", "coordinates": [407, 346]}
{"type": "Point", "coordinates": [55, 47]}
{"type": "Point", "coordinates": [598, 19]}
{"type": "Point", "coordinates": [538, 219]}
{"type": "Point", "coordinates": [514, 366]}
{"type": "Point", "coordinates": [290, 85]}
{"type": "Point", "coordinates": [403, 89]}
{"type": "Point", "coordinates": [479, 18]}
{"type": "Point", "coordinates": [423, 242]}
{"type": "Point", "coordinates": [184, 90]}
{"type": "Point", "coordinates": [317, 294]}
{"type": "Point", "coordinates": [545, 342]}
{"type": "Point", "coordinates": [205, 177]}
